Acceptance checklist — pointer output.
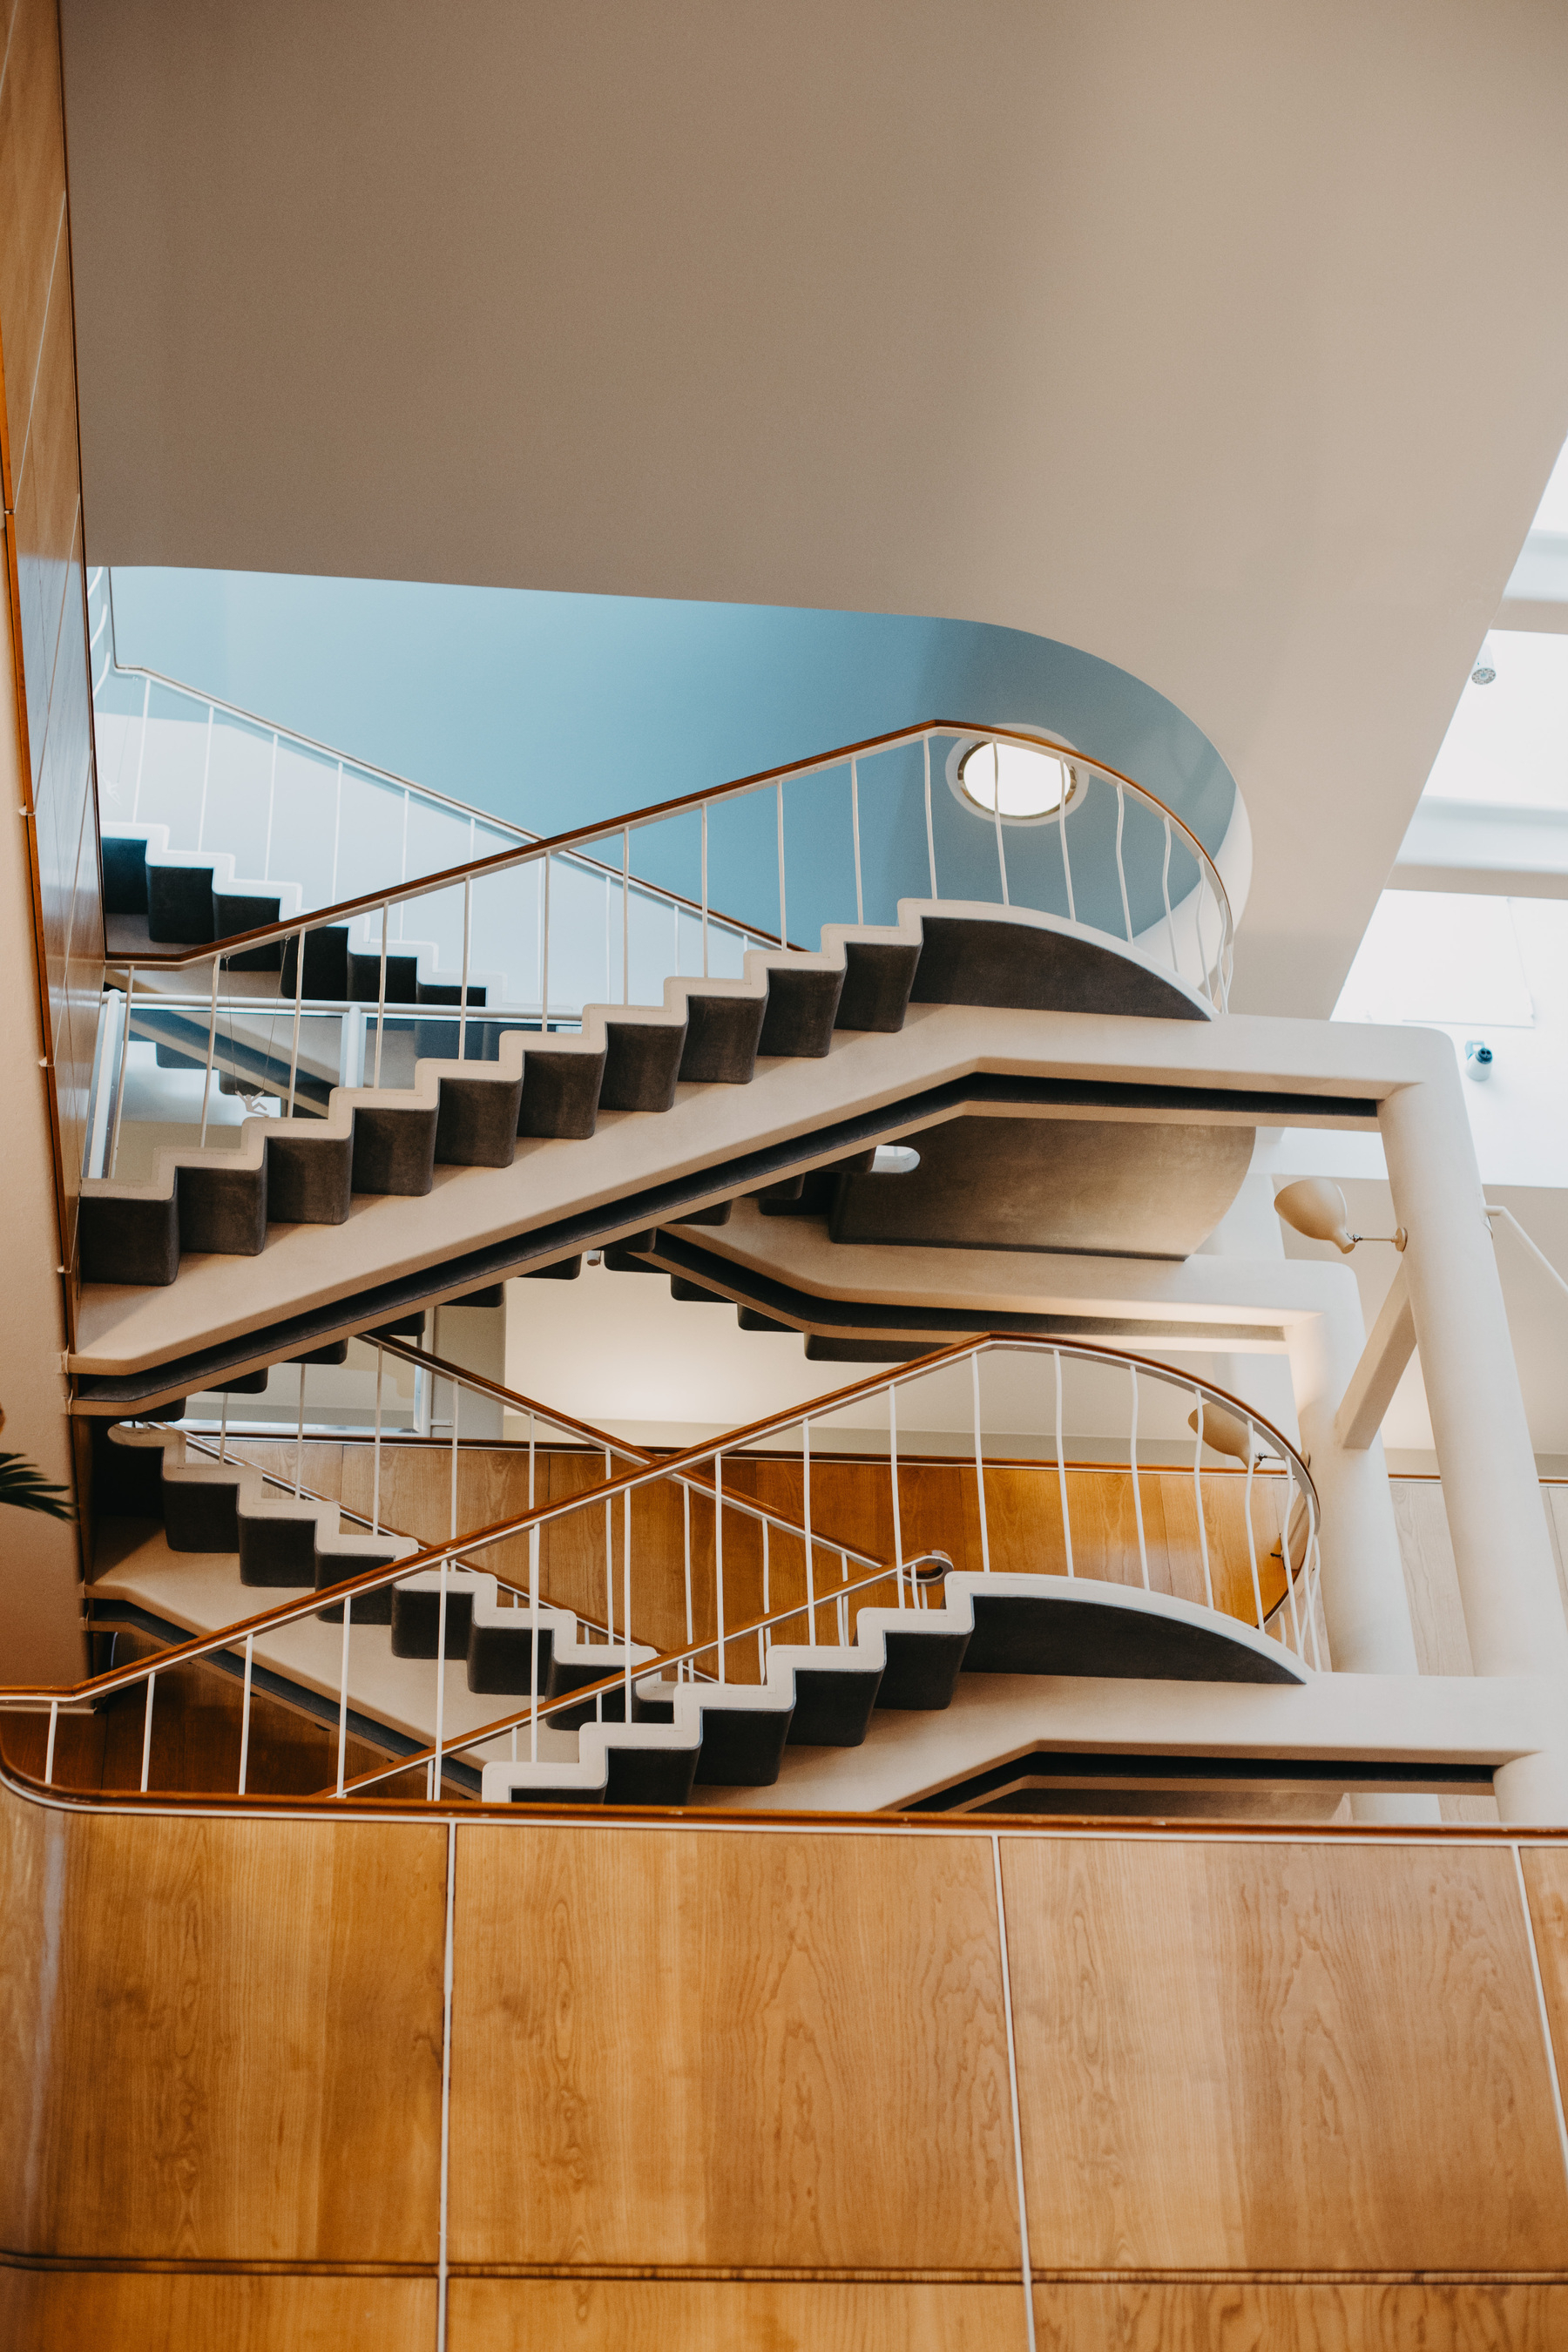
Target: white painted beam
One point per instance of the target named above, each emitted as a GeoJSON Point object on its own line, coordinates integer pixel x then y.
{"type": "Point", "coordinates": [1380, 1371]}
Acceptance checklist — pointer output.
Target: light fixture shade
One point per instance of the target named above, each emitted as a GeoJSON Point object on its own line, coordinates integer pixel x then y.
{"type": "Point", "coordinates": [1225, 1431]}
{"type": "Point", "coordinates": [1315, 1207]}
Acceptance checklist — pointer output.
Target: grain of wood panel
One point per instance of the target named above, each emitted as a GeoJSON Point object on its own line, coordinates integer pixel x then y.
{"type": "Point", "coordinates": [722, 2315]}
{"type": "Point", "coordinates": [152, 2311]}
{"type": "Point", "coordinates": [221, 2041]}
{"type": "Point", "coordinates": [32, 203]}
{"type": "Point", "coordinates": [786, 2050]}
{"type": "Point", "coordinates": [1323, 2316]}
{"type": "Point", "coordinates": [1431, 1579]}
{"type": "Point", "coordinates": [1280, 2057]}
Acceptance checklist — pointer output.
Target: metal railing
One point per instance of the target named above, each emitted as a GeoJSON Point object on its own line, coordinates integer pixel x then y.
{"type": "Point", "coordinates": [636, 934]}
{"type": "Point", "coordinates": [702, 1574]}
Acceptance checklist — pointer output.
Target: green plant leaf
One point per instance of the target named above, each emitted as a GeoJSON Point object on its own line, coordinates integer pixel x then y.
{"type": "Point", "coordinates": [24, 1486]}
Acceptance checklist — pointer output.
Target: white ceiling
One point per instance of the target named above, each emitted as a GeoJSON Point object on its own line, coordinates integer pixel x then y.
{"type": "Point", "coordinates": [1226, 342]}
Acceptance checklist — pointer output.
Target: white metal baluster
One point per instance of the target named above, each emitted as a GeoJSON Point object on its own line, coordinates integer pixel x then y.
{"type": "Point", "coordinates": [440, 1674]}
{"type": "Point", "coordinates": [1121, 869]}
{"type": "Point", "coordinates": [337, 835]}
{"type": "Point", "coordinates": [463, 992]}
{"type": "Point", "coordinates": [299, 1438]}
{"type": "Point", "coordinates": [1199, 1501]}
{"type": "Point", "coordinates": [271, 804]}
{"type": "Point", "coordinates": [855, 823]}
{"type": "Point", "coordinates": [609, 1576]}
{"type": "Point", "coordinates": [784, 920]}
{"type": "Point", "coordinates": [533, 1647]}
{"type": "Point", "coordinates": [1165, 887]}
{"type": "Point", "coordinates": [996, 813]}
{"type": "Point", "coordinates": [245, 1713]}
{"type": "Point", "coordinates": [457, 1397]}
{"type": "Point", "coordinates": [49, 1750]}
{"type": "Point", "coordinates": [626, 1592]}
{"type": "Point", "coordinates": [980, 1467]}
{"type": "Point", "coordinates": [375, 1450]}
{"type": "Point", "coordinates": [704, 890]}
{"type": "Point", "coordinates": [690, 1668]}
{"type": "Point", "coordinates": [625, 913]}
{"type": "Point", "coordinates": [212, 1046]}
{"type": "Point", "coordinates": [140, 750]}
{"type": "Point", "coordinates": [544, 980]}
{"type": "Point", "coordinates": [1136, 1494]}
{"type": "Point", "coordinates": [223, 1430]}
{"type": "Point", "coordinates": [298, 1000]}
{"type": "Point", "coordinates": [381, 995]}
{"type": "Point", "coordinates": [718, 1555]}
{"type": "Point", "coordinates": [766, 1637]}
{"type": "Point", "coordinates": [1290, 1579]}
{"type": "Point", "coordinates": [931, 836]}
{"type": "Point", "coordinates": [207, 771]}
{"type": "Point", "coordinates": [343, 1690]}
{"type": "Point", "coordinates": [147, 1731]}
{"type": "Point", "coordinates": [1062, 836]}
{"type": "Point", "coordinates": [1251, 1538]}
{"type": "Point", "coordinates": [609, 987]}
{"type": "Point", "coordinates": [893, 1473]}
{"type": "Point", "coordinates": [1311, 1570]}
{"type": "Point", "coordinates": [843, 1602]}
{"type": "Point", "coordinates": [120, 1088]}
{"type": "Point", "coordinates": [810, 1563]}
{"type": "Point", "coordinates": [1062, 1466]}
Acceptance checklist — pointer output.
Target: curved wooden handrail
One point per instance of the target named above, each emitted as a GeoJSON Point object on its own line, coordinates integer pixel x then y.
{"type": "Point", "coordinates": [576, 838]}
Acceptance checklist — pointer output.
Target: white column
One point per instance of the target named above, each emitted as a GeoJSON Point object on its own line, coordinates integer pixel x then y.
{"type": "Point", "coordinates": [1490, 1487]}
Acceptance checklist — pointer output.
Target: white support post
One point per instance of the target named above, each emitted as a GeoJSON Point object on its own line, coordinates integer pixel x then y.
{"type": "Point", "coordinates": [1492, 1490]}
{"type": "Point", "coordinates": [1377, 1375]}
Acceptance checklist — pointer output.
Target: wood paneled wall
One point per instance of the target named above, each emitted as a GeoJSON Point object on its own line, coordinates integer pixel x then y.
{"type": "Point", "coordinates": [40, 471]}
{"type": "Point", "coordinates": [794, 2087]}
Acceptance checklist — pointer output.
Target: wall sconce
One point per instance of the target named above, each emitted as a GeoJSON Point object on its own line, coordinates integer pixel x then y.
{"type": "Point", "coordinates": [1316, 1208]}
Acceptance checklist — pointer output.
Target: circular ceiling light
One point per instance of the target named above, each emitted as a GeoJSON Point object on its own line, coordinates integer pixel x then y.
{"type": "Point", "coordinates": [1015, 780]}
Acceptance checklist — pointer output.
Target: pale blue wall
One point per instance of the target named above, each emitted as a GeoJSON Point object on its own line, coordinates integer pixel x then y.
{"type": "Point", "coordinates": [553, 709]}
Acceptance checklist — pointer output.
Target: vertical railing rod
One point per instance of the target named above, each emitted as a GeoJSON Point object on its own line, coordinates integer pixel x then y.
{"type": "Point", "coordinates": [625, 913]}
{"type": "Point", "coordinates": [49, 1749]}
{"type": "Point", "coordinates": [704, 890]}
{"type": "Point", "coordinates": [1062, 835]}
{"type": "Point", "coordinates": [931, 834]}
{"type": "Point", "coordinates": [1121, 867]}
{"type": "Point", "coordinates": [627, 1593]}
{"type": "Point", "coordinates": [207, 771]}
{"type": "Point", "coordinates": [1251, 1538]}
{"type": "Point", "coordinates": [764, 1638]}
{"type": "Point", "coordinates": [980, 1466]}
{"type": "Point", "coordinates": [893, 1473]}
{"type": "Point", "coordinates": [784, 918]}
{"type": "Point", "coordinates": [1198, 1502]}
{"type": "Point", "coordinates": [463, 991]}
{"type": "Point", "coordinates": [343, 1690]}
{"type": "Point", "coordinates": [855, 825]}
{"type": "Point", "coordinates": [375, 1449]}
{"type": "Point", "coordinates": [223, 1429]}
{"type": "Point", "coordinates": [380, 994]}
{"type": "Point", "coordinates": [245, 1713]}
{"type": "Point", "coordinates": [1062, 1465]}
{"type": "Point", "coordinates": [440, 1674]}
{"type": "Point", "coordinates": [1285, 1562]}
{"type": "Point", "coordinates": [147, 1730]}
{"type": "Point", "coordinates": [1137, 1491]}
{"type": "Point", "coordinates": [996, 813]}
{"type": "Point", "coordinates": [1165, 888]}
{"type": "Point", "coordinates": [457, 1399]}
{"type": "Point", "coordinates": [718, 1555]}
{"type": "Point", "coordinates": [810, 1563]}
{"type": "Point", "coordinates": [140, 750]}
{"type": "Point", "coordinates": [338, 835]}
{"type": "Point", "coordinates": [119, 1086]}
{"type": "Point", "coordinates": [298, 1000]}
{"type": "Point", "coordinates": [211, 1047]}
{"type": "Point", "coordinates": [690, 1664]}
{"type": "Point", "coordinates": [271, 804]}
{"type": "Point", "coordinates": [300, 1437]}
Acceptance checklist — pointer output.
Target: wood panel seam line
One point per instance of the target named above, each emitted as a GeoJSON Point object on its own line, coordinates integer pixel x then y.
{"type": "Point", "coordinates": [1026, 2251]}
{"type": "Point", "coordinates": [441, 2265]}
{"type": "Point", "coordinates": [21, 475]}
{"type": "Point", "coordinates": [1544, 2011]}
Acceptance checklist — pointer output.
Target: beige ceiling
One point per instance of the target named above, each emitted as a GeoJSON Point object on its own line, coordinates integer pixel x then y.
{"type": "Point", "coordinates": [1227, 339]}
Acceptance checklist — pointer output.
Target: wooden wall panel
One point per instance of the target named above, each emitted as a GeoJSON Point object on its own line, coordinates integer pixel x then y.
{"type": "Point", "coordinates": [47, 576]}
{"type": "Point", "coordinates": [1239, 2316]}
{"type": "Point", "coordinates": [1305, 2056]}
{"type": "Point", "coordinates": [593, 2315]}
{"type": "Point", "coordinates": [221, 2041]}
{"type": "Point", "coordinates": [153, 2311]}
{"type": "Point", "coordinates": [784, 2050]}
{"type": "Point", "coordinates": [1545, 1872]}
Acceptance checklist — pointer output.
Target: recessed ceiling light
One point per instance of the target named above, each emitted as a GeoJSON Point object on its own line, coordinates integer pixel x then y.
{"type": "Point", "coordinates": [1014, 779]}
{"type": "Point", "coordinates": [1483, 674]}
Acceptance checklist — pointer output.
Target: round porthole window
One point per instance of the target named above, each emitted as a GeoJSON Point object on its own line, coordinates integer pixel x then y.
{"type": "Point", "coordinates": [1021, 784]}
